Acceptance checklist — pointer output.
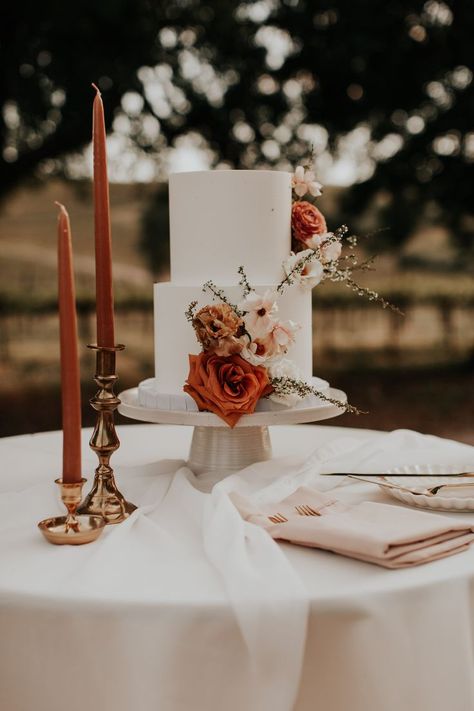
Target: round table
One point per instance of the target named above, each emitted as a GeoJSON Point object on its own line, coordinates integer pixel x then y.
{"type": "Point", "coordinates": [152, 628]}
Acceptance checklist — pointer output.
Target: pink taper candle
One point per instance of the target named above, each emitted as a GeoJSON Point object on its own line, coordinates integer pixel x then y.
{"type": "Point", "coordinates": [70, 374]}
{"type": "Point", "coordinates": [103, 243]}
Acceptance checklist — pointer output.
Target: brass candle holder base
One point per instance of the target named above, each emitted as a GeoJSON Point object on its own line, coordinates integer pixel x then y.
{"type": "Point", "coordinates": [105, 499]}
{"type": "Point", "coordinates": [71, 529]}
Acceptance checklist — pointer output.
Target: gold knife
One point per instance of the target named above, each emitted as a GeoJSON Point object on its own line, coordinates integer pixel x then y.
{"type": "Point", "coordinates": [371, 474]}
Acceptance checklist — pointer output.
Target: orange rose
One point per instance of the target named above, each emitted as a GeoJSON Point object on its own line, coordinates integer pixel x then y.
{"type": "Point", "coordinates": [227, 386]}
{"type": "Point", "coordinates": [306, 220]}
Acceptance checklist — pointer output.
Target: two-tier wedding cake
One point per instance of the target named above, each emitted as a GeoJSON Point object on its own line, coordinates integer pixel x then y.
{"type": "Point", "coordinates": [233, 326]}
{"type": "Point", "coordinates": [220, 221]}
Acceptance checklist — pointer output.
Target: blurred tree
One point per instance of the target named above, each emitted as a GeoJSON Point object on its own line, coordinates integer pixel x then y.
{"type": "Point", "coordinates": [253, 82]}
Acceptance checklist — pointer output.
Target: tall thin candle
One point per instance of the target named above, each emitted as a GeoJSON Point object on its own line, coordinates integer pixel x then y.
{"type": "Point", "coordinates": [103, 242]}
{"type": "Point", "coordinates": [70, 375]}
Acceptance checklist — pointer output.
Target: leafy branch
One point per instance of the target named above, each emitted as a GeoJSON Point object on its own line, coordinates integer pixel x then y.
{"type": "Point", "coordinates": [286, 386]}
{"type": "Point", "coordinates": [190, 311]}
{"type": "Point", "coordinates": [296, 271]}
{"type": "Point", "coordinates": [369, 293]}
{"type": "Point", "coordinates": [244, 282]}
{"type": "Point", "coordinates": [220, 294]}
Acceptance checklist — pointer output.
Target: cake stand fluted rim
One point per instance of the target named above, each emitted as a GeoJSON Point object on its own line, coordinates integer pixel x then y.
{"type": "Point", "coordinates": [130, 407]}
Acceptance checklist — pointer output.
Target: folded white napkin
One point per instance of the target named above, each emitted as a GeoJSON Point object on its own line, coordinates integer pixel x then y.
{"type": "Point", "coordinates": [391, 536]}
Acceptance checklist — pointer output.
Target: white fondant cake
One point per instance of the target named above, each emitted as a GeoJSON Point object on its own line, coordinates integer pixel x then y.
{"type": "Point", "coordinates": [219, 221]}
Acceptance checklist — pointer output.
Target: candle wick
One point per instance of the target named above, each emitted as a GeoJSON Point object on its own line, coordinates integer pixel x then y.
{"type": "Point", "coordinates": [97, 89]}
{"type": "Point", "coordinates": [61, 206]}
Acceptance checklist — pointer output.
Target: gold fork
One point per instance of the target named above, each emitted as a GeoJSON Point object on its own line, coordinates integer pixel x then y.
{"type": "Point", "coordinates": [305, 510]}
{"type": "Point", "coordinates": [278, 518]}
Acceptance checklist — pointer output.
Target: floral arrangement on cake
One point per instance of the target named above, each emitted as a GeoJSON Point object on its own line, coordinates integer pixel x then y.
{"type": "Point", "coordinates": [245, 345]}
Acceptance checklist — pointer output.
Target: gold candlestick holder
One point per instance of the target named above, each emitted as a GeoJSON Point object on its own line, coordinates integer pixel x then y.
{"type": "Point", "coordinates": [71, 529]}
{"type": "Point", "coordinates": [105, 499]}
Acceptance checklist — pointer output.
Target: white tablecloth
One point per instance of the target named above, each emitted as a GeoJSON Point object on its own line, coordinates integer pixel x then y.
{"type": "Point", "coordinates": [184, 607]}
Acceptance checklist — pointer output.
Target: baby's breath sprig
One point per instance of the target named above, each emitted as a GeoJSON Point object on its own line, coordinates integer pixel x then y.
{"type": "Point", "coordinates": [350, 258]}
{"type": "Point", "coordinates": [341, 233]}
{"type": "Point", "coordinates": [309, 163]}
{"type": "Point", "coordinates": [364, 291]}
{"type": "Point", "coordinates": [190, 311]}
{"type": "Point", "coordinates": [285, 386]}
{"type": "Point", "coordinates": [219, 294]}
{"type": "Point", "coordinates": [353, 265]}
{"type": "Point", "coordinates": [367, 266]}
{"type": "Point", "coordinates": [297, 269]}
{"type": "Point", "coordinates": [244, 282]}
{"type": "Point", "coordinates": [368, 235]}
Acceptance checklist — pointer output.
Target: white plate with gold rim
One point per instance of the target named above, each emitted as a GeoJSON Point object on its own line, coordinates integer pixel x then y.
{"type": "Point", "coordinates": [461, 499]}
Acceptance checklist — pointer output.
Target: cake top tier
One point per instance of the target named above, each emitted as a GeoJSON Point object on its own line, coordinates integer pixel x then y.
{"type": "Point", "coordinates": [222, 219]}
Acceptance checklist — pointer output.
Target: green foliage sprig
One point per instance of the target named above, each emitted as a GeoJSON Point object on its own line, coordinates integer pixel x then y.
{"type": "Point", "coordinates": [244, 282]}
{"type": "Point", "coordinates": [286, 386]}
{"type": "Point", "coordinates": [190, 311]}
{"type": "Point", "coordinates": [337, 275]}
{"type": "Point", "coordinates": [220, 294]}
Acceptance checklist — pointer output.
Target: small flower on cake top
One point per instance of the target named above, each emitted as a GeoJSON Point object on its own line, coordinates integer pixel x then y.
{"type": "Point", "coordinates": [310, 234]}
{"type": "Point", "coordinates": [219, 329]}
{"type": "Point", "coordinates": [306, 269]}
{"type": "Point", "coordinates": [229, 387]}
{"type": "Point", "coordinates": [303, 181]}
{"type": "Point", "coordinates": [306, 221]}
{"type": "Point", "coordinates": [258, 313]}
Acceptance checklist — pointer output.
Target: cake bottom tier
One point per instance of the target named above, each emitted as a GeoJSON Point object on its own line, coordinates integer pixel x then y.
{"type": "Point", "coordinates": [175, 338]}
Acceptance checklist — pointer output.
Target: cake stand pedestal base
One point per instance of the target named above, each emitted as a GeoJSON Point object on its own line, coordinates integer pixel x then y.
{"type": "Point", "coordinates": [216, 448]}
{"type": "Point", "coordinates": [225, 450]}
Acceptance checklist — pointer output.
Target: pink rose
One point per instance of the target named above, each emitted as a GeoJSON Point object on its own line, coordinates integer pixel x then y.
{"type": "Point", "coordinates": [306, 221]}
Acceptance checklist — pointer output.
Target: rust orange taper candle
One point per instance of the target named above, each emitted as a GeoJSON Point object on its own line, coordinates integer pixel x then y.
{"type": "Point", "coordinates": [103, 243]}
{"type": "Point", "coordinates": [70, 374]}
{"type": "Point", "coordinates": [104, 499]}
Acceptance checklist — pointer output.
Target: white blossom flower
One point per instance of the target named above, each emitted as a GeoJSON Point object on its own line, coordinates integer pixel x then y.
{"type": "Point", "coordinates": [285, 368]}
{"type": "Point", "coordinates": [259, 312]}
{"type": "Point", "coordinates": [256, 353]}
{"type": "Point", "coordinates": [303, 181]}
{"type": "Point", "coordinates": [312, 273]}
{"type": "Point", "coordinates": [283, 334]}
{"type": "Point", "coordinates": [316, 241]}
{"type": "Point", "coordinates": [262, 351]}
{"type": "Point", "coordinates": [330, 252]}
{"type": "Point", "coordinates": [329, 249]}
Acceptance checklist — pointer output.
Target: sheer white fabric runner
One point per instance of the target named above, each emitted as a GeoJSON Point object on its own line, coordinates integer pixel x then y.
{"type": "Point", "coordinates": [183, 547]}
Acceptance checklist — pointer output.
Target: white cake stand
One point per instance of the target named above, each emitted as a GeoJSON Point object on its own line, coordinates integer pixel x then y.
{"type": "Point", "coordinates": [215, 447]}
